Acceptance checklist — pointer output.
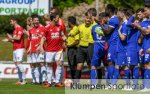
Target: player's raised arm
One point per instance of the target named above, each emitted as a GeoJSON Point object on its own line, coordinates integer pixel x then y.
{"type": "Point", "coordinates": [112, 22]}
{"type": "Point", "coordinates": [107, 31]}
{"type": "Point", "coordinates": [138, 26]}
{"type": "Point", "coordinates": [121, 35]}
{"type": "Point", "coordinates": [143, 31]}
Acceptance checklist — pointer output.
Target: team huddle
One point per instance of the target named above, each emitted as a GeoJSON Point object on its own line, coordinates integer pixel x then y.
{"type": "Point", "coordinates": [119, 37]}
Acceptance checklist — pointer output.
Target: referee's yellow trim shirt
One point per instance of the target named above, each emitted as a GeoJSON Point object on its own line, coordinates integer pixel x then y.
{"type": "Point", "coordinates": [84, 35]}
{"type": "Point", "coordinates": [91, 37]}
{"type": "Point", "coordinates": [72, 39]}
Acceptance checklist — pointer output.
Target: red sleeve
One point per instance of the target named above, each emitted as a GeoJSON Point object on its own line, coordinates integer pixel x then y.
{"type": "Point", "coordinates": [62, 23]}
{"type": "Point", "coordinates": [19, 31]}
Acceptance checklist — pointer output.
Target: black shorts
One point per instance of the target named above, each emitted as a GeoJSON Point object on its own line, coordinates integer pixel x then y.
{"type": "Point", "coordinates": [82, 55]}
{"type": "Point", "coordinates": [72, 53]}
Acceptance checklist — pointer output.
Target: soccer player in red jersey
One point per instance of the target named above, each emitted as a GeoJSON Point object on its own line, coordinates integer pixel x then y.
{"type": "Point", "coordinates": [34, 57]}
{"type": "Point", "coordinates": [62, 23]}
{"type": "Point", "coordinates": [54, 50]}
{"type": "Point", "coordinates": [18, 48]}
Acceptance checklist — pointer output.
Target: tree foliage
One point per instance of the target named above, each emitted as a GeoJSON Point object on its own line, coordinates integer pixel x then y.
{"type": "Point", "coordinates": [69, 3]}
{"type": "Point", "coordinates": [62, 4]}
{"type": "Point", "coordinates": [5, 26]}
{"type": "Point", "coordinates": [133, 4]}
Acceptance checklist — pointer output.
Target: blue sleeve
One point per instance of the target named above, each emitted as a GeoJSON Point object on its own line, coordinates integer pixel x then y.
{"type": "Point", "coordinates": [124, 30]}
{"type": "Point", "coordinates": [138, 34]}
{"type": "Point", "coordinates": [149, 23]}
{"type": "Point", "coordinates": [93, 28]}
{"type": "Point", "coordinates": [112, 23]}
{"type": "Point", "coordinates": [131, 19]}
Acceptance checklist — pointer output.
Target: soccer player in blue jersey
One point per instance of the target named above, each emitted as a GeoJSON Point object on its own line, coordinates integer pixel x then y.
{"type": "Point", "coordinates": [145, 30]}
{"type": "Point", "coordinates": [141, 20]}
{"type": "Point", "coordinates": [112, 33]}
{"type": "Point", "coordinates": [132, 47]}
{"type": "Point", "coordinates": [99, 49]}
{"type": "Point", "coordinates": [121, 48]}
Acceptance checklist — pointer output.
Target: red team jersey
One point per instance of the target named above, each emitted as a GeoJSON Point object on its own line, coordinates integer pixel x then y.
{"type": "Point", "coordinates": [35, 36]}
{"type": "Point", "coordinates": [28, 40]}
{"type": "Point", "coordinates": [17, 44]}
{"type": "Point", "coordinates": [53, 38]}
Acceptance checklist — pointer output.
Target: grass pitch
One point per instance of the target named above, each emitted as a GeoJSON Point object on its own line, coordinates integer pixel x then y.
{"type": "Point", "coordinates": [7, 86]}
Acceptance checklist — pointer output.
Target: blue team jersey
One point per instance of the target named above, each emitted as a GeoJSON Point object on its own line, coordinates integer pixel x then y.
{"type": "Point", "coordinates": [143, 23]}
{"type": "Point", "coordinates": [99, 43]}
{"type": "Point", "coordinates": [121, 45]}
{"type": "Point", "coordinates": [107, 36]}
{"type": "Point", "coordinates": [139, 46]}
{"type": "Point", "coordinates": [97, 37]}
{"type": "Point", "coordinates": [146, 43]}
{"type": "Point", "coordinates": [132, 36]}
{"type": "Point", "coordinates": [114, 23]}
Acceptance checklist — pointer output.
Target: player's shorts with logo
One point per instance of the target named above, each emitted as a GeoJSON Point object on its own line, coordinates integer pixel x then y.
{"type": "Point", "coordinates": [146, 58]}
{"type": "Point", "coordinates": [112, 54]}
{"type": "Point", "coordinates": [121, 59]}
{"type": "Point", "coordinates": [132, 57]}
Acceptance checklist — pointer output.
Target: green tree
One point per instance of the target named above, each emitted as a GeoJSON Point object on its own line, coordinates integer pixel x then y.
{"type": "Point", "coordinates": [69, 3]}
{"type": "Point", "coordinates": [133, 4]}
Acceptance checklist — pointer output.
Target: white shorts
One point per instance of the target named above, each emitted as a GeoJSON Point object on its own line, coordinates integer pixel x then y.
{"type": "Point", "coordinates": [54, 56]}
{"type": "Point", "coordinates": [35, 58]}
{"type": "Point", "coordinates": [18, 55]}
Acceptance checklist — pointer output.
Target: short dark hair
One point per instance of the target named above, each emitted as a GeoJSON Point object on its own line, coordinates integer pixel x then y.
{"type": "Point", "coordinates": [34, 16]}
{"type": "Point", "coordinates": [92, 11]}
{"type": "Point", "coordinates": [14, 18]}
{"type": "Point", "coordinates": [57, 10]}
{"type": "Point", "coordinates": [72, 20]}
{"type": "Point", "coordinates": [111, 8]}
{"type": "Point", "coordinates": [52, 16]}
{"type": "Point", "coordinates": [129, 12]}
{"type": "Point", "coordinates": [140, 10]}
{"type": "Point", "coordinates": [86, 13]}
{"type": "Point", "coordinates": [122, 10]}
{"type": "Point", "coordinates": [104, 14]}
{"type": "Point", "coordinates": [147, 3]}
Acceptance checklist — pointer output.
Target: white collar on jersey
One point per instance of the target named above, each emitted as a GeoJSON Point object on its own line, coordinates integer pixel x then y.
{"type": "Point", "coordinates": [113, 16]}
{"type": "Point", "coordinates": [125, 21]}
{"type": "Point", "coordinates": [145, 19]}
